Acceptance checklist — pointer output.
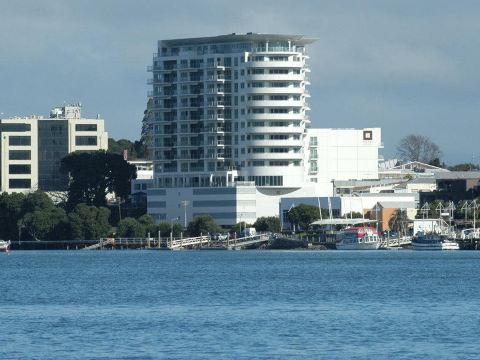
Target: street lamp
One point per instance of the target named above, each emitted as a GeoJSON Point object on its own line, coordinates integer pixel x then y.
{"type": "Point", "coordinates": [185, 203]}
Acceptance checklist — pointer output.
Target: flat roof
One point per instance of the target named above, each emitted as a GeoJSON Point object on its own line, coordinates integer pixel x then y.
{"type": "Point", "coordinates": [230, 38]}
{"type": "Point", "coordinates": [455, 175]}
{"type": "Point", "coordinates": [397, 204]}
{"type": "Point", "coordinates": [342, 221]}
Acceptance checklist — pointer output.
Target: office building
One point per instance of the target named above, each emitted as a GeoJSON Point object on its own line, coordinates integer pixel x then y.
{"type": "Point", "coordinates": [32, 147]}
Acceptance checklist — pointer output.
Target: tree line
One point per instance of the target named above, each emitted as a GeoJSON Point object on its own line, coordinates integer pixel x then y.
{"type": "Point", "coordinates": [35, 216]}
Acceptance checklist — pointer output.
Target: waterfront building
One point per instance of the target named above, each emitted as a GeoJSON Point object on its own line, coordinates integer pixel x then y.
{"type": "Point", "coordinates": [342, 206]}
{"type": "Point", "coordinates": [31, 148]}
{"type": "Point", "coordinates": [230, 129]}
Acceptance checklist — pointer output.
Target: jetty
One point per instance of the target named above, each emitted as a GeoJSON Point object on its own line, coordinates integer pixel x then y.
{"type": "Point", "coordinates": [181, 243]}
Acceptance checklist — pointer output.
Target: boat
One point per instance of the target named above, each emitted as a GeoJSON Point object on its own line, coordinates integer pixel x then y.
{"type": "Point", "coordinates": [433, 241]}
{"type": "Point", "coordinates": [4, 246]}
{"type": "Point", "coordinates": [359, 238]}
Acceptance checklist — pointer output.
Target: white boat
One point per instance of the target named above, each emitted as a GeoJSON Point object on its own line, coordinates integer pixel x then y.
{"type": "Point", "coordinates": [4, 246]}
{"type": "Point", "coordinates": [359, 238]}
{"type": "Point", "coordinates": [433, 241]}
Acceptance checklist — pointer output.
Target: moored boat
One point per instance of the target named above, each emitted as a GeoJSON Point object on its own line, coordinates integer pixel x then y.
{"type": "Point", "coordinates": [433, 241]}
{"type": "Point", "coordinates": [4, 246]}
{"type": "Point", "coordinates": [359, 238]}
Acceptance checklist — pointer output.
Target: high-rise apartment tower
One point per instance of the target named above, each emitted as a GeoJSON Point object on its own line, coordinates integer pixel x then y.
{"type": "Point", "coordinates": [230, 108]}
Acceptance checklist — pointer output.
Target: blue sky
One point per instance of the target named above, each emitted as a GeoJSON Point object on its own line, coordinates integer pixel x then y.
{"type": "Point", "coordinates": [406, 66]}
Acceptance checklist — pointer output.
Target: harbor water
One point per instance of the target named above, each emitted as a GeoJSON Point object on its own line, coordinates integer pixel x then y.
{"type": "Point", "coordinates": [239, 305]}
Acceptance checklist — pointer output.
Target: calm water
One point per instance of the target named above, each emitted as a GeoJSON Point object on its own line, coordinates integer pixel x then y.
{"type": "Point", "coordinates": [239, 305]}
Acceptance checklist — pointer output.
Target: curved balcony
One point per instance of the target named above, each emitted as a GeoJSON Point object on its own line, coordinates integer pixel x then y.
{"type": "Point", "coordinates": [276, 90]}
{"type": "Point", "coordinates": [275, 130]}
{"type": "Point", "coordinates": [275, 77]}
{"type": "Point", "coordinates": [276, 103]}
{"type": "Point", "coordinates": [276, 64]}
{"type": "Point", "coordinates": [266, 117]}
{"type": "Point", "coordinates": [276, 143]}
{"type": "Point", "coordinates": [275, 156]}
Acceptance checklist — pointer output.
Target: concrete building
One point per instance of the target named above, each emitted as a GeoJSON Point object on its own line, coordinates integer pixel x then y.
{"type": "Point", "coordinates": [31, 148]}
{"type": "Point", "coordinates": [230, 129]}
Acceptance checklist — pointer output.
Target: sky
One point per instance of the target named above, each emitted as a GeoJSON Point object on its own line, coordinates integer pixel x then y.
{"type": "Point", "coordinates": [409, 67]}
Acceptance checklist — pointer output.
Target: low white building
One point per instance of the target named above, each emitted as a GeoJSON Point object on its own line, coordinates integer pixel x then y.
{"type": "Point", "coordinates": [31, 148]}
{"type": "Point", "coordinates": [342, 154]}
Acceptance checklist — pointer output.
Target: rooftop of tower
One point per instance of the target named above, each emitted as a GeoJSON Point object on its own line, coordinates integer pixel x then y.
{"type": "Point", "coordinates": [229, 38]}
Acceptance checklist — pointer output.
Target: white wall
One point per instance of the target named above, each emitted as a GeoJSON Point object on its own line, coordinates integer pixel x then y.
{"type": "Point", "coordinates": [33, 148]}
{"type": "Point", "coordinates": [344, 154]}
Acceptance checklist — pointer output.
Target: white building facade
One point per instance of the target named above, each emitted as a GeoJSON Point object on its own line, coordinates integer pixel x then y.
{"type": "Point", "coordinates": [31, 148]}
{"type": "Point", "coordinates": [230, 127]}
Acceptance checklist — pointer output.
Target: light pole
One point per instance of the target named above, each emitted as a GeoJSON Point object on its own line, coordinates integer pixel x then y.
{"type": "Point", "coordinates": [185, 203]}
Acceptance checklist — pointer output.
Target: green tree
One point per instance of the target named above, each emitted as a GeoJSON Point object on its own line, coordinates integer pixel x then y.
{"type": "Point", "coordinates": [148, 224]}
{"type": "Point", "coordinates": [130, 228]}
{"type": "Point", "coordinates": [464, 167]}
{"type": "Point", "coordinates": [94, 174]}
{"type": "Point", "coordinates": [46, 224]}
{"type": "Point", "coordinates": [354, 215]}
{"type": "Point", "coordinates": [10, 214]}
{"type": "Point", "coordinates": [399, 221]}
{"type": "Point", "coordinates": [203, 224]}
{"type": "Point", "coordinates": [89, 222]}
{"type": "Point", "coordinates": [303, 215]}
{"type": "Point", "coordinates": [37, 200]}
{"type": "Point", "coordinates": [268, 223]}
{"type": "Point", "coordinates": [165, 228]}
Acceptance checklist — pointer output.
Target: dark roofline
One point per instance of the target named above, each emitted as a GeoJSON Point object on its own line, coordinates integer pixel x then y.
{"type": "Point", "coordinates": [231, 38]}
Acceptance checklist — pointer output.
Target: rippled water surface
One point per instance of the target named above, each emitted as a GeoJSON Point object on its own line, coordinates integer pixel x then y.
{"type": "Point", "coordinates": [239, 305]}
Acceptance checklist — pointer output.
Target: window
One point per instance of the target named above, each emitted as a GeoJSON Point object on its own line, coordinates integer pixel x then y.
{"type": "Point", "coordinates": [86, 127]}
{"type": "Point", "coordinates": [278, 111]}
{"type": "Point", "coordinates": [279, 150]}
{"type": "Point", "coordinates": [19, 140]}
{"type": "Point", "coordinates": [19, 169]}
{"type": "Point", "coordinates": [85, 140]}
{"type": "Point", "coordinates": [279, 163]}
{"type": "Point", "coordinates": [278, 137]}
{"type": "Point", "coordinates": [258, 150]}
{"type": "Point", "coordinates": [19, 183]}
{"type": "Point", "coordinates": [279, 97]}
{"type": "Point", "coordinates": [258, 137]}
{"type": "Point", "coordinates": [19, 155]}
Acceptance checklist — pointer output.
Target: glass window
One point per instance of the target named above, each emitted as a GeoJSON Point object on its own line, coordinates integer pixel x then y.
{"type": "Point", "coordinates": [19, 155]}
{"type": "Point", "coordinates": [85, 140]}
{"type": "Point", "coordinates": [19, 140]}
{"type": "Point", "coordinates": [86, 127]}
{"type": "Point", "coordinates": [19, 169]}
{"type": "Point", "coordinates": [19, 183]}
